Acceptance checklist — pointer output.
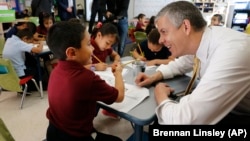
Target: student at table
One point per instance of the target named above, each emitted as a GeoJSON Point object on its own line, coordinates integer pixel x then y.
{"type": "Point", "coordinates": [216, 20]}
{"type": "Point", "coordinates": [72, 107]}
{"type": "Point", "coordinates": [16, 49]}
{"type": "Point", "coordinates": [116, 11]}
{"type": "Point", "coordinates": [151, 25]}
{"type": "Point", "coordinates": [222, 95]}
{"type": "Point", "coordinates": [151, 51]}
{"type": "Point", "coordinates": [46, 20]}
{"type": "Point", "coordinates": [141, 23]}
{"type": "Point", "coordinates": [102, 39]}
{"type": "Point", "coordinates": [19, 26]}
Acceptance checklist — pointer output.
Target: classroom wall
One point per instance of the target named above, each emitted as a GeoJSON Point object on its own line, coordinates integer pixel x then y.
{"type": "Point", "coordinates": [149, 7]}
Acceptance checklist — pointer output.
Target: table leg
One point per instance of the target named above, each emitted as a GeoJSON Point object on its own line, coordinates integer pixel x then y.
{"type": "Point", "coordinates": [138, 132]}
{"type": "Point", "coordinates": [39, 75]}
{"type": "Point", "coordinates": [41, 88]}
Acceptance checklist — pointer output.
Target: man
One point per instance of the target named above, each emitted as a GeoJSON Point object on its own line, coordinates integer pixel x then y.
{"type": "Point", "coordinates": [66, 9]}
{"type": "Point", "coordinates": [95, 9]}
{"type": "Point", "coordinates": [223, 93]}
{"type": "Point", "coordinates": [38, 6]}
{"type": "Point", "coordinates": [117, 12]}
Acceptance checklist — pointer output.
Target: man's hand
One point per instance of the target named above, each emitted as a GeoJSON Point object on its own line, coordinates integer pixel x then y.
{"type": "Point", "coordinates": [162, 92]}
{"type": "Point", "coordinates": [143, 80]}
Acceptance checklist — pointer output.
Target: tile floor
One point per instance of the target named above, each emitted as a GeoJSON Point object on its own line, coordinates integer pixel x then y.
{"type": "Point", "coordinates": [30, 123]}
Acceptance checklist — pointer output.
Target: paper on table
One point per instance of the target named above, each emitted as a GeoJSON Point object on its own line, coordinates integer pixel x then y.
{"type": "Point", "coordinates": [108, 72]}
{"type": "Point", "coordinates": [134, 95]}
{"type": "Point", "coordinates": [131, 65]}
{"type": "Point", "coordinates": [45, 47]}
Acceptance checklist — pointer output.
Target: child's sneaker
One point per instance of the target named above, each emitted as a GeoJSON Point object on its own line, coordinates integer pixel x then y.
{"type": "Point", "coordinates": [112, 115]}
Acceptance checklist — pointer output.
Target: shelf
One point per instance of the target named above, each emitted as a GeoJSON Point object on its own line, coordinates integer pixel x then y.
{"type": "Point", "coordinates": [205, 7]}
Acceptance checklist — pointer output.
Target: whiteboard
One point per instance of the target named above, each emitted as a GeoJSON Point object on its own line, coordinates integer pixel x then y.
{"type": "Point", "coordinates": [149, 7]}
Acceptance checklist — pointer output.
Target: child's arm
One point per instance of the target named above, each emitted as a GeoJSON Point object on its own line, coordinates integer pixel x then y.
{"type": "Point", "coordinates": [159, 61]}
{"type": "Point", "coordinates": [119, 84]}
{"type": "Point", "coordinates": [38, 48]}
{"type": "Point", "coordinates": [39, 37]}
{"type": "Point", "coordinates": [115, 56]}
{"type": "Point", "coordinates": [137, 56]}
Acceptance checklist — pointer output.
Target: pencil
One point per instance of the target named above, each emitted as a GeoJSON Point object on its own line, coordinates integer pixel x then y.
{"type": "Point", "coordinates": [140, 50]}
{"type": "Point", "coordinates": [129, 62]}
{"type": "Point", "coordinates": [97, 58]}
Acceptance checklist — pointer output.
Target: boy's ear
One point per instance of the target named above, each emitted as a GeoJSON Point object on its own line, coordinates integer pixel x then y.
{"type": "Point", "coordinates": [71, 53]}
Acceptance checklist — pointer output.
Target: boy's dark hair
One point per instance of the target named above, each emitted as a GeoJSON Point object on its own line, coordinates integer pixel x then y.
{"type": "Point", "coordinates": [75, 20]}
{"type": "Point", "coordinates": [154, 36]}
{"type": "Point", "coordinates": [106, 29]}
{"type": "Point", "coordinates": [25, 32]}
{"type": "Point", "coordinates": [32, 27]}
{"type": "Point", "coordinates": [44, 16]}
{"type": "Point", "coordinates": [219, 17]}
{"type": "Point", "coordinates": [65, 34]}
{"type": "Point", "coordinates": [20, 23]}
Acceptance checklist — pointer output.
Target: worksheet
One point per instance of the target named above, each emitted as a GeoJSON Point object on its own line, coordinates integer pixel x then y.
{"type": "Point", "coordinates": [133, 95]}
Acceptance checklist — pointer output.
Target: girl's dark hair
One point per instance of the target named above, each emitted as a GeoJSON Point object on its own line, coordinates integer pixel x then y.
{"type": "Point", "coordinates": [141, 15]}
{"type": "Point", "coordinates": [154, 36]}
{"type": "Point", "coordinates": [106, 29]}
{"type": "Point", "coordinates": [65, 34]}
{"type": "Point", "coordinates": [25, 32]}
{"type": "Point", "coordinates": [44, 16]}
{"type": "Point", "coordinates": [151, 25]}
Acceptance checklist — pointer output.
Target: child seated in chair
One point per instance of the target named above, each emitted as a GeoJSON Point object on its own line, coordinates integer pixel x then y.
{"type": "Point", "coordinates": [216, 20]}
{"type": "Point", "coordinates": [46, 20]}
{"type": "Point", "coordinates": [102, 39]}
{"type": "Point", "coordinates": [151, 51]}
{"type": "Point", "coordinates": [72, 107]}
{"type": "Point", "coordinates": [18, 49]}
{"type": "Point", "coordinates": [141, 23]}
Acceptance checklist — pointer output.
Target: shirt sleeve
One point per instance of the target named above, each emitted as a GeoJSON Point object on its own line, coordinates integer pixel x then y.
{"type": "Point", "coordinates": [180, 66]}
{"type": "Point", "coordinates": [103, 91]}
{"type": "Point", "coordinates": [26, 47]}
{"type": "Point", "coordinates": [219, 91]}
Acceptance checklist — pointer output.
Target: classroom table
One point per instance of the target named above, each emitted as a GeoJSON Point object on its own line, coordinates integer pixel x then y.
{"type": "Point", "coordinates": [144, 113]}
{"type": "Point", "coordinates": [45, 51]}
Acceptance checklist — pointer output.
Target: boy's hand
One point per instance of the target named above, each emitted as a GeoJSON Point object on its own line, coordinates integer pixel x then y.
{"type": "Point", "coordinates": [142, 58]}
{"type": "Point", "coordinates": [101, 66]}
{"type": "Point", "coordinates": [116, 68]}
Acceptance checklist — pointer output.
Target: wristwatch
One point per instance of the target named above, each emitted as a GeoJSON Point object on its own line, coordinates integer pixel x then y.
{"type": "Point", "coordinates": [92, 67]}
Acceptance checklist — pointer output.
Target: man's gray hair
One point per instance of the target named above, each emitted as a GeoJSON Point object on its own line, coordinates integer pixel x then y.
{"type": "Point", "coordinates": [178, 11]}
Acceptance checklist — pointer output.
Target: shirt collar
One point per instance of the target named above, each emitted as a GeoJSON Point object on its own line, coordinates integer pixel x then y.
{"type": "Point", "coordinates": [203, 49]}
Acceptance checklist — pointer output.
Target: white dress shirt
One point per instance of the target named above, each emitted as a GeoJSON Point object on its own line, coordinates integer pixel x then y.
{"type": "Point", "coordinates": [224, 84]}
{"type": "Point", "coordinates": [70, 3]}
